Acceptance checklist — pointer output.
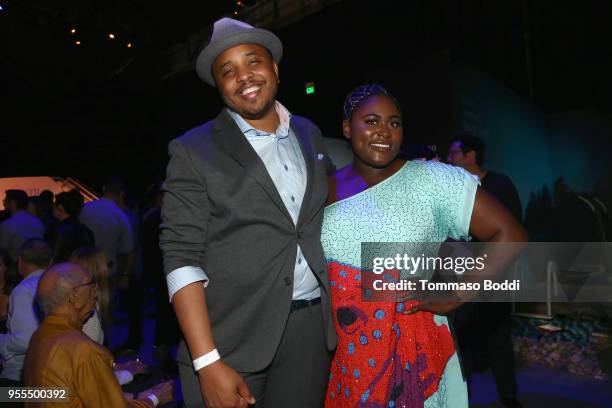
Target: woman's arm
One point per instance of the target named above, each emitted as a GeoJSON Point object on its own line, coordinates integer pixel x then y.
{"type": "Point", "coordinates": [492, 223]}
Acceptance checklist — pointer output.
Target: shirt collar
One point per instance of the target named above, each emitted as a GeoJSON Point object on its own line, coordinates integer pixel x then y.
{"type": "Point", "coordinates": [34, 274]}
{"type": "Point", "coordinates": [282, 130]}
{"type": "Point", "coordinates": [37, 272]}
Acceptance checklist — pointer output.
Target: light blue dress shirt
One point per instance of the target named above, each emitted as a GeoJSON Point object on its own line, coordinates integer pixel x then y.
{"type": "Point", "coordinates": [281, 154]}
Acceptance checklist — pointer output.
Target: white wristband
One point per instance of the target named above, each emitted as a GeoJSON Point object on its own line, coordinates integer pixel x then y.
{"type": "Point", "coordinates": [153, 399]}
{"type": "Point", "coordinates": [206, 359]}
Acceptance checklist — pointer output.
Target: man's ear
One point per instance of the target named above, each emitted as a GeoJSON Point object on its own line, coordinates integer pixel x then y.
{"type": "Point", "coordinates": [73, 298]}
{"type": "Point", "coordinates": [346, 129]}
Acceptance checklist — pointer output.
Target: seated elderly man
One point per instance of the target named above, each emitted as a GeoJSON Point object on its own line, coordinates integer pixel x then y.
{"type": "Point", "coordinates": [60, 355]}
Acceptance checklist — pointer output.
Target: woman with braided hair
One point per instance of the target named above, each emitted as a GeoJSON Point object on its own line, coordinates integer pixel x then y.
{"type": "Point", "coordinates": [396, 353]}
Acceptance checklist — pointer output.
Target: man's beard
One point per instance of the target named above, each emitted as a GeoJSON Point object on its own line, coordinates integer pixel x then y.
{"type": "Point", "coordinates": [249, 115]}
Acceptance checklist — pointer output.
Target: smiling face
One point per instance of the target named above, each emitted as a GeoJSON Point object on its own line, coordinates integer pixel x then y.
{"type": "Point", "coordinates": [375, 131]}
{"type": "Point", "coordinates": [247, 79]}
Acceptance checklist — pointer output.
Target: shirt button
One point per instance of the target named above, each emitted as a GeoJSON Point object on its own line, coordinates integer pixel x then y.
{"type": "Point", "coordinates": [286, 168]}
{"type": "Point", "coordinates": [287, 281]}
{"type": "Point", "coordinates": [293, 198]}
{"type": "Point", "coordinates": [299, 261]}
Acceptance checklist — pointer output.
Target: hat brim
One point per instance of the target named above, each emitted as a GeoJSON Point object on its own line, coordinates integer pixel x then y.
{"type": "Point", "coordinates": [254, 36]}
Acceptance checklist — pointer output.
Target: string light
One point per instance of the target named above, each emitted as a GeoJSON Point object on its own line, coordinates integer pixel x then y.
{"type": "Point", "coordinates": [239, 4]}
{"type": "Point", "coordinates": [110, 35]}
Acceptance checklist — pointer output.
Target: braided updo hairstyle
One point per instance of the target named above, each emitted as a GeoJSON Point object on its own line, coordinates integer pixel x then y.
{"type": "Point", "coordinates": [357, 95]}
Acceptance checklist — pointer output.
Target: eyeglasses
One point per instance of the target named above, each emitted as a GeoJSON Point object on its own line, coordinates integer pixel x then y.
{"type": "Point", "coordinates": [91, 282]}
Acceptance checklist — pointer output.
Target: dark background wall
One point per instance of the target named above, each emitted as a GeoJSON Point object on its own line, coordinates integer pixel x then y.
{"type": "Point", "coordinates": [513, 128]}
{"type": "Point", "coordinates": [94, 111]}
{"type": "Point", "coordinates": [581, 146]}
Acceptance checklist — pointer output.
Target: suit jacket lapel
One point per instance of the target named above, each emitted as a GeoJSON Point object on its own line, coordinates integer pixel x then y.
{"type": "Point", "coordinates": [228, 135]}
{"type": "Point", "coordinates": [306, 148]}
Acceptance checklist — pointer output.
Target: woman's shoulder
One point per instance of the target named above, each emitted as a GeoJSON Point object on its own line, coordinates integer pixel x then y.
{"type": "Point", "coordinates": [439, 171]}
{"type": "Point", "coordinates": [343, 173]}
{"type": "Point", "coordinates": [435, 166]}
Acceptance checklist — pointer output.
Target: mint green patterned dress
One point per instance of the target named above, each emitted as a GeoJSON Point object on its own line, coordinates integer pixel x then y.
{"type": "Point", "coordinates": [385, 358]}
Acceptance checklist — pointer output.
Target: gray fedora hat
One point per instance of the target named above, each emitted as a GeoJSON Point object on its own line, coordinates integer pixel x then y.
{"type": "Point", "coordinates": [228, 33]}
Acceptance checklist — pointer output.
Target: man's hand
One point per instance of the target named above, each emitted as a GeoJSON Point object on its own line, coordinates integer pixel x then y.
{"type": "Point", "coordinates": [220, 385]}
{"type": "Point", "coordinates": [223, 387]}
{"type": "Point", "coordinates": [163, 392]}
{"type": "Point", "coordinates": [133, 366]}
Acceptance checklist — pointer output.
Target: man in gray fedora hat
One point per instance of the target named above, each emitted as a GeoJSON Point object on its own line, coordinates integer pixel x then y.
{"type": "Point", "coordinates": [241, 224]}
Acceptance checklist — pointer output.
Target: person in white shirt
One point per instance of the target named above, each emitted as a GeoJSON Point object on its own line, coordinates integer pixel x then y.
{"type": "Point", "coordinates": [113, 233]}
{"type": "Point", "coordinates": [24, 317]}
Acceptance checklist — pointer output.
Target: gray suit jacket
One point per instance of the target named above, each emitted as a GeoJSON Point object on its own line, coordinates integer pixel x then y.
{"type": "Point", "coordinates": [223, 213]}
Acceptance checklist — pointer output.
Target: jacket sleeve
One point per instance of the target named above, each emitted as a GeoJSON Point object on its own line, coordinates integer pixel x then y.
{"type": "Point", "coordinates": [185, 214]}
{"type": "Point", "coordinates": [97, 386]}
